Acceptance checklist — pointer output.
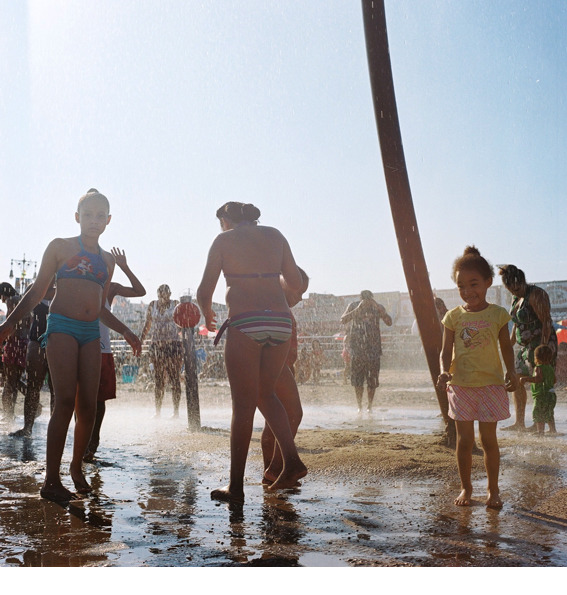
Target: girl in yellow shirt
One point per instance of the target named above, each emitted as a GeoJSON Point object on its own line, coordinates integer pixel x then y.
{"type": "Point", "coordinates": [471, 371]}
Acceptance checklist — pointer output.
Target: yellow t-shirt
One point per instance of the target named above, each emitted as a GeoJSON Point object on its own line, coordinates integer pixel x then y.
{"type": "Point", "coordinates": [476, 358]}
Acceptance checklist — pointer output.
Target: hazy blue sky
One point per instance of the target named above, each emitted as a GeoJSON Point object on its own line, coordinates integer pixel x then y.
{"type": "Point", "coordinates": [172, 108]}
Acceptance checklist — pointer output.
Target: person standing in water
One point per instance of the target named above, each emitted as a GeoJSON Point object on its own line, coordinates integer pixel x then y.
{"type": "Point", "coordinates": [83, 272]}
{"type": "Point", "coordinates": [107, 384]}
{"type": "Point", "coordinates": [259, 328]}
{"type": "Point", "coordinates": [471, 371]}
{"type": "Point", "coordinates": [14, 354]}
{"type": "Point", "coordinates": [37, 368]}
{"type": "Point", "coordinates": [166, 347]}
{"type": "Point", "coordinates": [543, 391]}
{"type": "Point", "coordinates": [531, 315]}
{"type": "Point", "coordinates": [365, 344]}
{"type": "Point", "coordinates": [286, 391]}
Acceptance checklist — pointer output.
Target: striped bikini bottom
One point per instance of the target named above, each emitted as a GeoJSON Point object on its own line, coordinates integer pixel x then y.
{"type": "Point", "coordinates": [263, 326]}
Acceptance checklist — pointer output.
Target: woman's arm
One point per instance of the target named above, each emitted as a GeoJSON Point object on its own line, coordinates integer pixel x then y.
{"type": "Point", "coordinates": [446, 357]}
{"type": "Point", "coordinates": [289, 271]}
{"type": "Point", "coordinates": [148, 323]}
{"type": "Point", "coordinates": [31, 298]}
{"type": "Point", "coordinates": [539, 301]}
{"type": "Point", "coordinates": [508, 356]}
{"type": "Point", "coordinates": [208, 284]}
{"type": "Point", "coordinates": [136, 288]}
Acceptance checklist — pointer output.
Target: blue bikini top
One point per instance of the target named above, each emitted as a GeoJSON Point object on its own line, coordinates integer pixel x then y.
{"type": "Point", "coordinates": [85, 265]}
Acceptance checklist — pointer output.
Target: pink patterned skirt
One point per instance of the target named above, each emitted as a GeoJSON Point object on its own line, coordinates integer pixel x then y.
{"type": "Point", "coordinates": [478, 403]}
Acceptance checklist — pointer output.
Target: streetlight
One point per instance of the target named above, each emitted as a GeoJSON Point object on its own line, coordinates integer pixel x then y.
{"type": "Point", "coordinates": [21, 282]}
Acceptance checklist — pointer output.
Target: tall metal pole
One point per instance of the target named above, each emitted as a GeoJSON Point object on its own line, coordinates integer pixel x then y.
{"type": "Point", "coordinates": [399, 193]}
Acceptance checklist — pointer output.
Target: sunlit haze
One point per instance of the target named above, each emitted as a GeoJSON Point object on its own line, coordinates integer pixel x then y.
{"type": "Point", "coordinates": [172, 108]}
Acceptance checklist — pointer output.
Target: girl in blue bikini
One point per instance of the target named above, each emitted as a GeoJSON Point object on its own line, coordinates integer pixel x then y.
{"type": "Point", "coordinates": [83, 272]}
{"type": "Point", "coordinates": [258, 332]}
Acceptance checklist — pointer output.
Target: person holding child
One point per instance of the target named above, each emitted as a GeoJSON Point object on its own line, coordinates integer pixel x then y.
{"type": "Point", "coordinates": [471, 371]}
{"type": "Point", "coordinates": [533, 326]}
{"type": "Point", "coordinates": [83, 273]}
{"type": "Point", "coordinates": [259, 328]}
{"type": "Point", "coordinates": [543, 392]}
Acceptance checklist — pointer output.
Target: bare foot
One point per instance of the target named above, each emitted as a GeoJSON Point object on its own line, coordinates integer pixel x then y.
{"type": "Point", "coordinates": [515, 428]}
{"type": "Point", "coordinates": [289, 478]}
{"type": "Point", "coordinates": [493, 500]}
{"type": "Point", "coordinates": [57, 493]}
{"type": "Point", "coordinates": [23, 433]}
{"type": "Point", "coordinates": [81, 484]}
{"type": "Point", "coordinates": [464, 498]}
{"type": "Point", "coordinates": [225, 495]}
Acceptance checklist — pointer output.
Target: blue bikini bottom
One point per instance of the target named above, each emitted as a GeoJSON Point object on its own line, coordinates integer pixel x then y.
{"type": "Point", "coordinates": [82, 331]}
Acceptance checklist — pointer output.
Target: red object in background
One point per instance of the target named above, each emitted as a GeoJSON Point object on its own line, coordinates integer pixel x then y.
{"type": "Point", "coordinates": [186, 315]}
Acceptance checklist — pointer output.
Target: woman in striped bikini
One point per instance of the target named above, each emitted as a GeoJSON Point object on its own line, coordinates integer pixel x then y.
{"type": "Point", "coordinates": [258, 332]}
{"type": "Point", "coordinates": [472, 373]}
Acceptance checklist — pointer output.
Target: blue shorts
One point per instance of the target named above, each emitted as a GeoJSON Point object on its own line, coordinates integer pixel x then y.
{"type": "Point", "coordinates": [82, 331]}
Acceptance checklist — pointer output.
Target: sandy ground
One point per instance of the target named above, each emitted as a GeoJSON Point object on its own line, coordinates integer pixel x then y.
{"type": "Point", "coordinates": [379, 492]}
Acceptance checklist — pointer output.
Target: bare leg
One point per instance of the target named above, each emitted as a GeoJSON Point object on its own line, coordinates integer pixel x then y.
{"type": "Point", "coordinates": [12, 375]}
{"type": "Point", "coordinates": [491, 462]}
{"type": "Point", "coordinates": [174, 371]}
{"type": "Point", "coordinates": [371, 393]}
{"type": "Point", "coordinates": [159, 376]}
{"type": "Point", "coordinates": [252, 371]}
{"type": "Point", "coordinates": [63, 357]}
{"type": "Point", "coordinates": [465, 443]}
{"type": "Point", "coordinates": [85, 410]}
{"type": "Point", "coordinates": [95, 436]}
{"type": "Point", "coordinates": [287, 393]}
{"type": "Point", "coordinates": [36, 369]}
{"type": "Point", "coordinates": [358, 390]}
{"type": "Point", "coordinates": [520, 400]}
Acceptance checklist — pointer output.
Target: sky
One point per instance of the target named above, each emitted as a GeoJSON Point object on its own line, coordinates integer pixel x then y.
{"type": "Point", "coordinates": [173, 108]}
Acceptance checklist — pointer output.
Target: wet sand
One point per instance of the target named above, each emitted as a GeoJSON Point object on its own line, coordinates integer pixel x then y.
{"type": "Point", "coordinates": [379, 492]}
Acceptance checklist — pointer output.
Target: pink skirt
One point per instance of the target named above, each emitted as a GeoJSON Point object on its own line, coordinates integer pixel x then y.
{"type": "Point", "coordinates": [478, 403]}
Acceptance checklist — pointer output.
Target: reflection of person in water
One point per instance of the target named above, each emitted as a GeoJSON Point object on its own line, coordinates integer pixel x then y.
{"type": "Point", "coordinates": [259, 328]}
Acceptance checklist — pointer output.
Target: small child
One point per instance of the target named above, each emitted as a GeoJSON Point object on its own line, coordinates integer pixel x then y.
{"type": "Point", "coordinates": [471, 371]}
{"type": "Point", "coordinates": [543, 392]}
{"type": "Point", "coordinates": [286, 390]}
{"type": "Point", "coordinates": [317, 359]}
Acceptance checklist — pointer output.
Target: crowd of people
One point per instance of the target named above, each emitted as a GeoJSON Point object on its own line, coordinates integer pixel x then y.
{"type": "Point", "coordinates": [58, 332]}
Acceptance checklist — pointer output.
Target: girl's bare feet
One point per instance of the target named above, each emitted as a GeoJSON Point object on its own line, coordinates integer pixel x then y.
{"type": "Point", "coordinates": [493, 500]}
{"type": "Point", "coordinates": [289, 478]}
{"type": "Point", "coordinates": [464, 498]}
{"type": "Point", "coordinates": [81, 484]}
{"type": "Point", "coordinates": [225, 495]}
{"type": "Point", "coordinates": [57, 493]}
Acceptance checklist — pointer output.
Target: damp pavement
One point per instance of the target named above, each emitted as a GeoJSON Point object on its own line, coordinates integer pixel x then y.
{"type": "Point", "coordinates": [151, 503]}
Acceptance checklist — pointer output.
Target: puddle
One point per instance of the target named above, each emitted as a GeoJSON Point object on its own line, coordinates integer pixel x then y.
{"type": "Point", "coordinates": [151, 505]}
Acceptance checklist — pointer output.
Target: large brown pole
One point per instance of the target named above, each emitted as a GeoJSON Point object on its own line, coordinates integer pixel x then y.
{"type": "Point", "coordinates": [399, 193]}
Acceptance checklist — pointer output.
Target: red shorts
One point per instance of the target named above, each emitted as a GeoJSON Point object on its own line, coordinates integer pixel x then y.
{"type": "Point", "coordinates": [15, 351]}
{"type": "Point", "coordinates": [107, 386]}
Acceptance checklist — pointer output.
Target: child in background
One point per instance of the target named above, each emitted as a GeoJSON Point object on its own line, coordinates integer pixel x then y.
{"type": "Point", "coordinates": [286, 391]}
{"type": "Point", "coordinates": [471, 371]}
{"type": "Point", "coordinates": [317, 359]}
{"type": "Point", "coordinates": [543, 392]}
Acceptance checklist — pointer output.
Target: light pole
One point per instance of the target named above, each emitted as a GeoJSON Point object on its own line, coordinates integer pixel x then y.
{"type": "Point", "coordinates": [21, 282]}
